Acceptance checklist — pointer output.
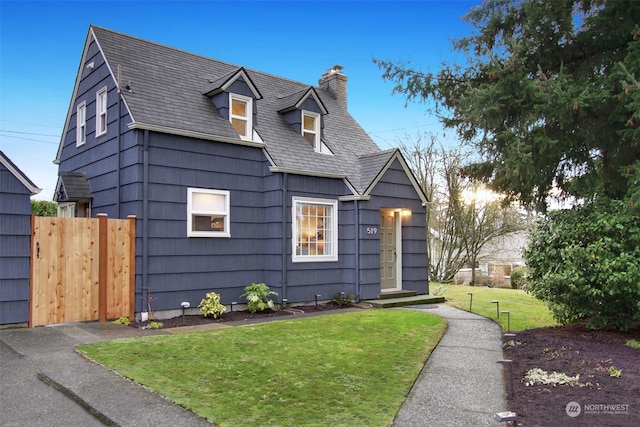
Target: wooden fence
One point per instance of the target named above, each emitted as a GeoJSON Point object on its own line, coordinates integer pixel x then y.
{"type": "Point", "coordinates": [82, 269]}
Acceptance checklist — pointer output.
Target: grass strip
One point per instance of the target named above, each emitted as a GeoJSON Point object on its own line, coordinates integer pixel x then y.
{"type": "Point", "coordinates": [340, 370]}
{"type": "Point", "coordinates": [525, 311]}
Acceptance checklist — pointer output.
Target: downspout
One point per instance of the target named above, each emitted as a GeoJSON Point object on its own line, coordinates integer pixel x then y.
{"type": "Point", "coordinates": [284, 235]}
{"type": "Point", "coordinates": [357, 208]}
{"type": "Point", "coordinates": [145, 219]}
{"type": "Point", "coordinates": [119, 149]}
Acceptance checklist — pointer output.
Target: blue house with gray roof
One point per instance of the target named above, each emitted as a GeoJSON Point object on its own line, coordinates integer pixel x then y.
{"type": "Point", "coordinates": [236, 176]}
{"type": "Point", "coordinates": [16, 190]}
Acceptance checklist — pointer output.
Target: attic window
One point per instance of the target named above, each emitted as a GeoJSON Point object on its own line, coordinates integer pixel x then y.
{"type": "Point", "coordinates": [240, 115]}
{"type": "Point", "coordinates": [311, 129]}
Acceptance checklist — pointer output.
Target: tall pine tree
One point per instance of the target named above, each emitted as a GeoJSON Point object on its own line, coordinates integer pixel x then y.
{"type": "Point", "coordinates": [549, 94]}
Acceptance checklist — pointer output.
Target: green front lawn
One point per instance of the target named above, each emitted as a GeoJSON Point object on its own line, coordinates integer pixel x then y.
{"type": "Point", "coordinates": [526, 312]}
{"type": "Point", "coordinates": [334, 370]}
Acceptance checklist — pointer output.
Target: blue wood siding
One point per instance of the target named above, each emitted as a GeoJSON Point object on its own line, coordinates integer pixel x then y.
{"type": "Point", "coordinates": [181, 268]}
{"type": "Point", "coordinates": [99, 157]}
{"type": "Point", "coordinates": [15, 249]}
{"type": "Point", "coordinates": [394, 191]}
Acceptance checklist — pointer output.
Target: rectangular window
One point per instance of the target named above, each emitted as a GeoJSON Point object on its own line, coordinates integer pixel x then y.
{"type": "Point", "coordinates": [311, 129]}
{"type": "Point", "coordinates": [241, 114]}
{"type": "Point", "coordinates": [81, 124]}
{"type": "Point", "coordinates": [101, 112]}
{"type": "Point", "coordinates": [315, 229]}
{"type": "Point", "coordinates": [207, 213]}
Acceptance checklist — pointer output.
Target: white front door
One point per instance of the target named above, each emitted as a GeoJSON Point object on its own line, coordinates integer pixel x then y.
{"type": "Point", "coordinates": [390, 251]}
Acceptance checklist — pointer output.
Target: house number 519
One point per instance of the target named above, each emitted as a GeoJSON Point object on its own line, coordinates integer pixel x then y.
{"type": "Point", "coordinates": [372, 230]}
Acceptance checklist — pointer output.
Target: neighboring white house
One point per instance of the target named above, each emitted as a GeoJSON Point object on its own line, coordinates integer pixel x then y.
{"type": "Point", "coordinates": [498, 257]}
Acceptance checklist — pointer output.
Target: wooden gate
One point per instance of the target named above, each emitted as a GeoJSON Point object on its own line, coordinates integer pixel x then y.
{"type": "Point", "coordinates": [82, 269]}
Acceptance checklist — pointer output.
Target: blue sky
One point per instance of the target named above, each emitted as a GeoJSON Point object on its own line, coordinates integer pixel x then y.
{"type": "Point", "coordinates": [41, 45]}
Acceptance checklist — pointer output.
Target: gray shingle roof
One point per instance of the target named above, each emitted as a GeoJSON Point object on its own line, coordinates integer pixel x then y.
{"type": "Point", "coordinates": [18, 174]}
{"type": "Point", "coordinates": [75, 187]}
{"type": "Point", "coordinates": [167, 90]}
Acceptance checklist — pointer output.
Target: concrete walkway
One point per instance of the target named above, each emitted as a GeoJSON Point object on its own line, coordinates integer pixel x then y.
{"type": "Point", "coordinates": [461, 383]}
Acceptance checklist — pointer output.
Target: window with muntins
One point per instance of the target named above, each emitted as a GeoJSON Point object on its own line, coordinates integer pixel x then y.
{"type": "Point", "coordinates": [207, 213]}
{"type": "Point", "coordinates": [240, 115]}
{"type": "Point", "coordinates": [311, 128]}
{"type": "Point", "coordinates": [101, 112]}
{"type": "Point", "coordinates": [81, 124]}
{"type": "Point", "coordinates": [315, 229]}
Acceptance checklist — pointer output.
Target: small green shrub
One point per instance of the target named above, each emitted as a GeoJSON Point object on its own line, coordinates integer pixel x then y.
{"type": "Point", "coordinates": [538, 376]}
{"type": "Point", "coordinates": [122, 321]}
{"type": "Point", "coordinates": [257, 296]}
{"type": "Point", "coordinates": [633, 344]}
{"type": "Point", "coordinates": [210, 306]}
{"type": "Point", "coordinates": [156, 325]}
{"type": "Point", "coordinates": [519, 277]}
{"type": "Point", "coordinates": [614, 372]}
{"type": "Point", "coordinates": [344, 298]}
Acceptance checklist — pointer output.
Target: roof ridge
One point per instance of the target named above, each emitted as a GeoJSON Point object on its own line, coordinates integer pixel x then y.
{"type": "Point", "coordinates": [231, 64]}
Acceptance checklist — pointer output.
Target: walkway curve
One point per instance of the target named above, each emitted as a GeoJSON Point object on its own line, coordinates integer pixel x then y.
{"type": "Point", "coordinates": [461, 384]}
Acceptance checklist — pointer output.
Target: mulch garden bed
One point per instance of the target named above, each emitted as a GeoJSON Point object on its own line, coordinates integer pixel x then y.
{"type": "Point", "coordinates": [239, 315]}
{"type": "Point", "coordinates": [600, 399]}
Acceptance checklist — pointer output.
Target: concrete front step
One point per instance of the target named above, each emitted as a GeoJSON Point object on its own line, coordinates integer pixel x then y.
{"type": "Point", "coordinates": [397, 294]}
{"type": "Point", "coordinates": [402, 301]}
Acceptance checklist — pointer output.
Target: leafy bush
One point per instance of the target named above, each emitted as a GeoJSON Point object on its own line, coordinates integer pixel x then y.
{"type": "Point", "coordinates": [519, 278]}
{"type": "Point", "coordinates": [344, 299]}
{"type": "Point", "coordinates": [633, 344]}
{"type": "Point", "coordinates": [210, 306]}
{"type": "Point", "coordinates": [584, 264]}
{"type": "Point", "coordinates": [156, 325]}
{"type": "Point", "coordinates": [124, 320]}
{"type": "Point", "coordinates": [257, 296]}
{"type": "Point", "coordinates": [44, 208]}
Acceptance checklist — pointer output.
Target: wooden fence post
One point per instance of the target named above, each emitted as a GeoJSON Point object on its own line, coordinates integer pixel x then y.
{"type": "Point", "coordinates": [132, 266]}
{"type": "Point", "coordinates": [103, 259]}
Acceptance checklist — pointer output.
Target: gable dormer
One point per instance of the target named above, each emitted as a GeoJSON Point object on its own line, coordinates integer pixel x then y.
{"type": "Point", "coordinates": [305, 112]}
{"type": "Point", "coordinates": [235, 96]}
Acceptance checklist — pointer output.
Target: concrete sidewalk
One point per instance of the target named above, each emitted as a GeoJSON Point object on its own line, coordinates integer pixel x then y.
{"type": "Point", "coordinates": [461, 384]}
{"type": "Point", "coordinates": [40, 363]}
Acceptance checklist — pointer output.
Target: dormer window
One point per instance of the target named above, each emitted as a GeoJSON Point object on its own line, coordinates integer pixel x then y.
{"type": "Point", "coordinates": [240, 115]}
{"type": "Point", "coordinates": [311, 128]}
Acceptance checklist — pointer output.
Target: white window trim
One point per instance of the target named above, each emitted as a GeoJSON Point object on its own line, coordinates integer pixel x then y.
{"type": "Point", "coordinates": [248, 117]}
{"type": "Point", "coordinates": [81, 124]}
{"type": "Point", "coordinates": [294, 232]}
{"type": "Point", "coordinates": [66, 210]}
{"type": "Point", "coordinates": [315, 131]}
{"type": "Point", "coordinates": [101, 112]}
{"type": "Point", "coordinates": [226, 213]}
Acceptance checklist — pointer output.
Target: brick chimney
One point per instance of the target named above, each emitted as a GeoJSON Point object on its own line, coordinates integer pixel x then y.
{"type": "Point", "coordinates": [336, 82]}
